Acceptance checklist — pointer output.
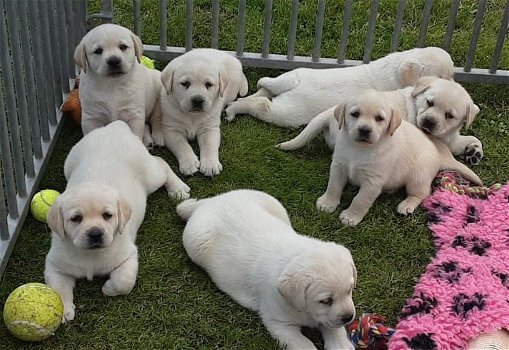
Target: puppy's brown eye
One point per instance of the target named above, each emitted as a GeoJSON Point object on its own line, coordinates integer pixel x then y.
{"type": "Point", "coordinates": [449, 116]}
{"type": "Point", "coordinates": [430, 103]}
{"type": "Point", "coordinates": [123, 47]}
{"type": "Point", "coordinates": [185, 84]}
{"type": "Point", "coordinates": [107, 216]}
{"type": "Point", "coordinates": [98, 51]}
{"type": "Point", "coordinates": [355, 114]}
{"type": "Point", "coordinates": [208, 85]}
{"type": "Point", "coordinates": [379, 118]}
{"type": "Point", "coordinates": [77, 218]}
{"type": "Point", "coordinates": [327, 301]}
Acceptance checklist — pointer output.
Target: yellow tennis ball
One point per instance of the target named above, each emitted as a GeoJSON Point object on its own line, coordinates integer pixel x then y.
{"type": "Point", "coordinates": [33, 311]}
{"type": "Point", "coordinates": [147, 62]}
{"type": "Point", "coordinates": [42, 202]}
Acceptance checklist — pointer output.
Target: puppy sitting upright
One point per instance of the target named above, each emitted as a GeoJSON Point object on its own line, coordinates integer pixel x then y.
{"type": "Point", "coordinates": [114, 85]}
{"type": "Point", "coordinates": [379, 152]}
{"type": "Point", "coordinates": [245, 242]}
{"type": "Point", "coordinates": [198, 85]}
{"type": "Point", "coordinates": [95, 220]}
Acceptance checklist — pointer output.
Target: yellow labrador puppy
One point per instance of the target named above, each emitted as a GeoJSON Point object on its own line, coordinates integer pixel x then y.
{"type": "Point", "coordinates": [379, 152]}
{"type": "Point", "coordinates": [436, 106]}
{"type": "Point", "coordinates": [114, 85]}
{"type": "Point", "coordinates": [95, 220]}
{"type": "Point", "coordinates": [295, 97]}
{"type": "Point", "coordinates": [245, 242]}
{"type": "Point", "coordinates": [197, 86]}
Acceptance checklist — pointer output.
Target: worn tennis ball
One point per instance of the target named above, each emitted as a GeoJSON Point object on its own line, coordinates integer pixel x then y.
{"type": "Point", "coordinates": [147, 62]}
{"type": "Point", "coordinates": [33, 312]}
{"type": "Point", "coordinates": [42, 202]}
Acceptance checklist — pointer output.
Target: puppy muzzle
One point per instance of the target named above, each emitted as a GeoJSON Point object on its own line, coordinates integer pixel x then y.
{"type": "Point", "coordinates": [428, 125]}
{"type": "Point", "coordinates": [114, 66]}
{"type": "Point", "coordinates": [197, 103]}
{"type": "Point", "coordinates": [95, 238]}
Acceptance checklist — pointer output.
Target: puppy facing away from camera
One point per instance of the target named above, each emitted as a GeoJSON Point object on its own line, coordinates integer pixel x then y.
{"type": "Point", "coordinates": [114, 85]}
{"type": "Point", "coordinates": [436, 106]}
{"type": "Point", "coordinates": [379, 152]}
{"type": "Point", "coordinates": [245, 242]}
{"type": "Point", "coordinates": [295, 97]}
{"type": "Point", "coordinates": [197, 86]}
{"type": "Point", "coordinates": [95, 220]}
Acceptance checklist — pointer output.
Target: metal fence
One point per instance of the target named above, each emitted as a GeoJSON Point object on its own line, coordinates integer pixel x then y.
{"type": "Point", "coordinates": [37, 39]}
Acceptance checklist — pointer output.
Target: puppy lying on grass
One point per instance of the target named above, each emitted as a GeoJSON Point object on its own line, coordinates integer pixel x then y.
{"type": "Point", "coordinates": [295, 97]}
{"type": "Point", "coordinates": [436, 106]}
{"type": "Point", "coordinates": [245, 242]}
{"type": "Point", "coordinates": [95, 221]}
{"type": "Point", "coordinates": [378, 151]}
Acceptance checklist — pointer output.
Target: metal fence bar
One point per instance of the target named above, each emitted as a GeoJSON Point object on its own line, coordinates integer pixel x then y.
{"type": "Point", "coordinates": [12, 118]}
{"type": "Point", "coordinates": [29, 78]}
{"type": "Point", "coordinates": [500, 40]}
{"type": "Point", "coordinates": [215, 25]}
{"type": "Point", "coordinates": [450, 24]}
{"type": "Point", "coordinates": [42, 73]}
{"type": "Point", "coordinates": [292, 32]}
{"type": "Point", "coordinates": [267, 24]}
{"type": "Point", "coordinates": [347, 14]}
{"type": "Point", "coordinates": [397, 25]}
{"type": "Point", "coordinates": [81, 27]}
{"type": "Point", "coordinates": [62, 39]}
{"type": "Point", "coordinates": [55, 53]}
{"type": "Point", "coordinates": [241, 28]}
{"type": "Point", "coordinates": [425, 23]}
{"type": "Point", "coordinates": [19, 88]}
{"type": "Point", "coordinates": [371, 31]}
{"type": "Point", "coordinates": [163, 25]}
{"type": "Point", "coordinates": [71, 44]}
{"type": "Point", "coordinates": [475, 35]}
{"type": "Point", "coordinates": [4, 229]}
{"type": "Point", "coordinates": [189, 25]}
{"type": "Point", "coordinates": [320, 14]}
{"type": "Point", "coordinates": [137, 17]}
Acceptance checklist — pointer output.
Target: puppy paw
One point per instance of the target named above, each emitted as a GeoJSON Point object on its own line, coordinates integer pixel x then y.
{"type": "Point", "coordinates": [210, 167]}
{"type": "Point", "coordinates": [473, 153]}
{"type": "Point", "coordinates": [189, 167]}
{"type": "Point", "coordinates": [180, 192]}
{"type": "Point", "coordinates": [69, 310]}
{"type": "Point", "coordinates": [230, 111]}
{"type": "Point", "coordinates": [349, 218]}
{"type": "Point", "coordinates": [158, 138]}
{"type": "Point", "coordinates": [112, 289]}
{"type": "Point", "coordinates": [327, 204]}
{"type": "Point", "coordinates": [406, 208]}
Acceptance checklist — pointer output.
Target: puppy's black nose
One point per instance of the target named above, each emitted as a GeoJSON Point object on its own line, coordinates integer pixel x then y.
{"type": "Point", "coordinates": [347, 318]}
{"type": "Point", "coordinates": [113, 61]}
{"type": "Point", "coordinates": [95, 235]}
{"type": "Point", "coordinates": [364, 131]}
{"type": "Point", "coordinates": [197, 102]}
{"type": "Point", "coordinates": [428, 124]}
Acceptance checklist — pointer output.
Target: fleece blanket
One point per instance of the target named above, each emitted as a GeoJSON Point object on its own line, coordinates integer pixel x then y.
{"type": "Point", "coordinates": [464, 292]}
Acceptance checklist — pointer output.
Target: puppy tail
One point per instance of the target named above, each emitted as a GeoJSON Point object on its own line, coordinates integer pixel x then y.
{"type": "Point", "coordinates": [186, 208]}
{"type": "Point", "coordinates": [323, 122]}
{"type": "Point", "coordinates": [244, 86]}
{"type": "Point", "coordinates": [448, 162]}
{"type": "Point", "coordinates": [278, 85]}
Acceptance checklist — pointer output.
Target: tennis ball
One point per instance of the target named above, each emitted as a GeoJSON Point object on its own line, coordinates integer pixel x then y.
{"type": "Point", "coordinates": [147, 62]}
{"type": "Point", "coordinates": [33, 312]}
{"type": "Point", "coordinates": [42, 202]}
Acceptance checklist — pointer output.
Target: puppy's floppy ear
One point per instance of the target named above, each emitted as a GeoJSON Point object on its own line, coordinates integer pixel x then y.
{"type": "Point", "coordinates": [167, 79]}
{"type": "Point", "coordinates": [396, 120]}
{"type": "Point", "coordinates": [80, 56]}
{"type": "Point", "coordinates": [293, 285]}
{"type": "Point", "coordinates": [223, 82]}
{"type": "Point", "coordinates": [472, 111]}
{"type": "Point", "coordinates": [339, 114]}
{"type": "Point", "coordinates": [409, 71]}
{"type": "Point", "coordinates": [124, 214]}
{"type": "Point", "coordinates": [423, 84]}
{"type": "Point", "coordinates": [138, 46]}
{"type": "Point", "coordinates": [55, 219]}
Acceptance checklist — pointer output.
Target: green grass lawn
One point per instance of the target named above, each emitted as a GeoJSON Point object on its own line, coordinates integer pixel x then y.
{"type": "Point", "coordinates": [174, 304]}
